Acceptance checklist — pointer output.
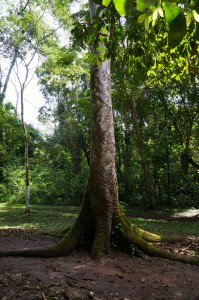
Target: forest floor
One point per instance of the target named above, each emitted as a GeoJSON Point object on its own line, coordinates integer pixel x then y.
{"type": "Point", "coordinates": [117, 276]}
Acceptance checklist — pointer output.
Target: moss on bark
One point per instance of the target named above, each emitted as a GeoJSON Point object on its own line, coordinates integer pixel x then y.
{"type": "Point", "coordinates": [154, 238]}
{"type": "Point", "coordinates": [139, 238]}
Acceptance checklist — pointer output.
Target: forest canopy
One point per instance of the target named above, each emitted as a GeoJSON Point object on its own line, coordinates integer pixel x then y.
{"type": "Point", "coordinates": [154, 57]}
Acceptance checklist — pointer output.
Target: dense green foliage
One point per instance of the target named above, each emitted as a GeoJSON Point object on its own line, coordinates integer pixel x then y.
{"type": "Point", "coordinates": [149, 70]}
{"type": "Point", "coordinates": [54, 179]}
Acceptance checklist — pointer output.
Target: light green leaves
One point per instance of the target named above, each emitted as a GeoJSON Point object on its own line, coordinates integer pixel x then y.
{"type": "Point", "coordinates": [124, 7]}
{"type": "Point", "coordinates": [143, 4]}
{"type": "Point", "coordinates": [147, 19]}
{"type": "Point", "coordinates": [106, 2]}
{"type": "Point", "coordinates": [188, 18]}
{"type": "Point", "coordinates": [171, 11]}
{"type": "Point", "coordinates": [195, 15]}
{"type": "Point", "coordinates": [160, 11]}
{"type": "Point", "coordinates": [176, 22]}
{"type": "Point", "coordinates": [141, 18]}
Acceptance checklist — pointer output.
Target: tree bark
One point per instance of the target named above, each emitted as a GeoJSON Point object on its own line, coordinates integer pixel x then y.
{"type": "Point", "coordinates": [27, 181]}
{"type": "Point", "coordinates": [102, 178]}
{"type": "Point", "coordinates": [5, 86]}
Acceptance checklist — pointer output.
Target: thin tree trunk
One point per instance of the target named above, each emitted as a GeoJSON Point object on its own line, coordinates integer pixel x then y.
{"type": "Point", "coordinates": [3, 89]}
{"type": "Point", "coordinates": [5, 86]}
{"type": "Point", "coordinates": [23, 86]}
{"type": "Point", "coordinates": [149, 190]}
{"type": "Point", "coordinates": [27, 181]}
{"type": "Point", "coordinates": [26, 153]}
{"type": "Point", "coordinates": [167, 153]}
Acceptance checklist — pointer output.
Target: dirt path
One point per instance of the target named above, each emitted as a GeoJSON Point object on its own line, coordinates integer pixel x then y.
{"type": "Point", "coordinates": [118, 276]}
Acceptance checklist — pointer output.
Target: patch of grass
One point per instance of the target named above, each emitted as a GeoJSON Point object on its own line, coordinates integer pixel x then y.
{"type": "Point", "coordinates": [48, 219]}
{"type": "Point", "coordinates": [41, 219]}
{"type": "Point", "coordinates": [174, 227]}
{"type": "Point", "coordinates": [174, 221]}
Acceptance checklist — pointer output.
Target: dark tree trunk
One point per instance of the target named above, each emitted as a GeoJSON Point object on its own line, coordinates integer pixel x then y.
{"type": "Point", "coordinates": [148, 185]}
{"type": "Point", "coordinates": [27, 181]}
{"type": "Point", "coordinates": [167, 154]}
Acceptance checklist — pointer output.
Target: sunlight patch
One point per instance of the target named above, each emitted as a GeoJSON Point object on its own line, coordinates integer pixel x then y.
{"type": "Point", "coordinates": [191, 212]}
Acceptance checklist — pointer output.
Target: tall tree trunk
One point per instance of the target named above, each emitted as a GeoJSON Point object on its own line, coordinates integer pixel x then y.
{"type": "Point", "coordinates": [27, 181]}
{"type": "Point", "coordinates": [167, 154]}
{"type": "Point", "coordinates": [3, 89]}
{"type": "Point", "coordinates": [149, 189]}
{"type": "Point", "coordinates": [2, 145]}
{"type": "Point", "coordinates": [23, 86]}
{"type": "Point", "coordinates": [102, 178]}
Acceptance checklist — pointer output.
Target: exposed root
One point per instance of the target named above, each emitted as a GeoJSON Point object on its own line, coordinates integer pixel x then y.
{"type": "Point", "coordinates": [154, 238]}
{"type": "Point", "coordinates": [84, 229]}
{"type": "Point", "coordinates": [63, 247]}
{"type": "Point", "coordinates": [143, 245]}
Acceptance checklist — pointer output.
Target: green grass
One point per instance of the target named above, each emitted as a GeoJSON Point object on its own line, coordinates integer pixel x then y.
{"type": "Point", "coordinates": [41, 219]}
{"type": "Point", "coordinates": [188, 228]}
{"type": "Point", "coordinates": [55, 218]}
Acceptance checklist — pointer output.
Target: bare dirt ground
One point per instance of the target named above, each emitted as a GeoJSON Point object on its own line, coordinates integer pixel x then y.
{"type": "Point", "coordinates": [76, 276]}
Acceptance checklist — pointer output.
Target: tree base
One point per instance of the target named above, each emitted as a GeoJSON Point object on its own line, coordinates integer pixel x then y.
{"type": "Point", "coordinates": [124, 235]}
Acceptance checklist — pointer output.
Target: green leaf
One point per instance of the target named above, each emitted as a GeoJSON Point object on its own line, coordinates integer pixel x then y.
{"type": "Point", "coordinates": [148, 20]}
{"type": "Point", "coordinates": [146, 23]}
{"type": "Point", "coordinates": [155, 16]}
{"type": "Point", "coordinates": [143, 4]}
{"type": "Point", "coordinates": [160, 11]}
{"type": "Point", "coordinates": [124, 7]}
{"type": "Point", "coordinates": [106, 2]}
{"type": "Point", "coordinates": [188, 18]}
{"type": "Point", "coordinates": [177, 31]}
{"type": "Point", "coordinates": [195, 15]}
{"type": "Point", "coordinates": [171, 11]}
{"type": "Point", "coordinates": [141, 18]}
{"type": "Point", "coordinates": [151, 72]}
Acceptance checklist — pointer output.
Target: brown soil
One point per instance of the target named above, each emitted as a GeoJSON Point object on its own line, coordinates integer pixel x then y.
{"type": "Point", "coordinates": [76, 276]}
